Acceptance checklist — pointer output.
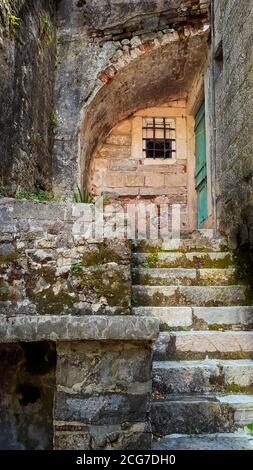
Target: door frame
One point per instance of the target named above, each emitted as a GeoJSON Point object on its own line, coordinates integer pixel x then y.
{"type": "Point", "coordinates": [200, 92]}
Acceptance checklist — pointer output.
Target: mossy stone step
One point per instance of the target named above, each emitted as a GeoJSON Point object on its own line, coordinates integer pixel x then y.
{"type": "Point", "coordinates": [228, 376]}
{"type": "Point", "coordinates": [182, 244]}
{"type": "Point", "coordinates": [182, 276]}
{"type": "Point", "coordinates": [201, 413]}
{"type": "Point", "coordinates": [214, 441]}
{"type": "Point", "coordinates": [218, 260]}
{"type": "Point", "coordinates": [162, 296]}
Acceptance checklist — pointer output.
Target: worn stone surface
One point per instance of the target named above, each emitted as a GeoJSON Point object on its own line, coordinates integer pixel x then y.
{"type": "Point", "coordinates": [71, 328]}
{"type": "Point", "coordinates": [89, 367]}
{"type": "Point", "coordinates": [103, 390]}
{"type": "Point", "coordinates": [202, 376]}
{"type": "Point", "coordinates": [51, 264]}
{"type": "Point", "coordinates": [26, 396]}
{"type": "Point", "coordinates": [183, 276]}
{"type": "Point", "coordinates": [108, 437]}
{"type": "Point", "coordinates": [200, 318]}
{"type": "Point", "coordinates": [187, 260]}
{"type": "Point", "coordinates": [191, 414]}
{"type": "Point", "coordinates": [189, 295]}
{"type": "Point", "coordinates": [199, 344]}
{"type": "Point", "coordinates": [214, 442]}
{"type": "Point", "coordinates": [168, 316]}
{"type": "Point", "coordinates": [27, 64]}
{"type": "Point", "coordinates": [233, 96]}
{"type": "Point", "coordinates": [214, 413]}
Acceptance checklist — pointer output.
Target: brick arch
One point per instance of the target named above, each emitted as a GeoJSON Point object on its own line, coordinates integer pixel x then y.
{"type": "Point", "coordinates": [160, 72]}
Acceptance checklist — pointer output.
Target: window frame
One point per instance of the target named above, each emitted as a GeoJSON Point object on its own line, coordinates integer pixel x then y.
{"type": "Point", "coordinates": [163, 130]}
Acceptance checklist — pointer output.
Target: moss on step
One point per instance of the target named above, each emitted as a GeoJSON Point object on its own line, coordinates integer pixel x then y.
{"type": "Point", "coordinates": [183, 262]}
{"type": "Point", "coordinates": [103, 255]}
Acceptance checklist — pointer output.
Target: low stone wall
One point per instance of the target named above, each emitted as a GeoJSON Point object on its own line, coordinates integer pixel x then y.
{"type": "Point", "coordinates": [48, 269]}
{"type": "Point", "coordinates": [54, 281]}
{"type": "Point", "coordinates": [103, 379]}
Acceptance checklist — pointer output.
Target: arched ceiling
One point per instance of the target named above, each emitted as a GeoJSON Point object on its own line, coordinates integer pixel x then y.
{"type": "Point", "coordinates": [154, 78]}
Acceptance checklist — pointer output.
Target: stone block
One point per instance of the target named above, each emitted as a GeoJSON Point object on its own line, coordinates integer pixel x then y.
{"type": "Point", "coordinates": [176, 179]}
{"type": "Point", "coordinates": [104, 409]}
{"type": "Point", "coordinates": [119, 139]}
{"type": "Point", "coordinates": [122, 165]}
{"type": "Point", "coordinates": [84, 367]}
{"type": "Point", "coordinates": [115, 180]}
{"type": "Point", "coordinates": [105, 437]}
{"type": "Point", "coordinates": [154, 180]}
{"type": "Point", "coordinates": [134, 179]}
{"type": "Point", "coordinates": [115, 151]}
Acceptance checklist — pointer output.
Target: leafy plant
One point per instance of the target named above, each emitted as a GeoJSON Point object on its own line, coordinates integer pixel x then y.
{"type": "Point", "coordinates": [34, 195]}
{"type": "Point", "coordinates": [46, 28]}
{"type": "Point", "coordinates": [250, 427]}
{"type": "Point", "coordinates": [53, 122]}
{"type": "Point", "coordinates": [36, 139]}
{"type": "Point", "coordinates": [77, 268]}
{"type": "Point", "coordinates": [192, 429]}
{"type": "Point", "coordinates": [14, 23]}
{"type": "Point", "coordinates": [82, 196]}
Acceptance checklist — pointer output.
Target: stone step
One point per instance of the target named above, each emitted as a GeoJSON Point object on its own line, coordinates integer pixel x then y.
{"type": "Point", "coordinates": [218, 260]}
{"type": "Point", "coordinates": [182, 244]}
{"type": "Point", "coordinates": [215, 441]}
{"type": "Point", "coordinates": [228, 376]}
{"type": "Point", "coordinates": [201, 414]}
{"type": "Point", "coordinates": [162, 296]}
{"type": "Point", "coordinates": [181, 345]}
{"type": "Point", "coordinates": [200, 318]}
{"type": "Point", "coordinates": [182, 276]}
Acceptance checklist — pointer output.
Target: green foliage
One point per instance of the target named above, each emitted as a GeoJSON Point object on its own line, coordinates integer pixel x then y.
{"type": "Point", "coordinates": [82, 196]}
{"type": "Point", "coordinates": [47, 31]}
{"type": "Point", "coordinates": [34, 195]}
{"type": "Point", "coordinates": [77, 268]}
{"type": "Point", "coordinates": [14, 23]}
{"type": "Point", "coordinates": [53, 122]}
{"type": "Point", "coordinates": [192, 429]}
{"type": "Point", "coordinates": [2, 191]}
{"type": "Point", "coordinates": [250, 427]}
{"type": "Point", "coordinates": [151, 261]}
{"type": "Point", "coordinates": [36, 139]}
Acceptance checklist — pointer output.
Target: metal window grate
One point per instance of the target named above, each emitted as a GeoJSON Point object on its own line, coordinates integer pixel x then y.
{"type": "Point", "coordinates": [159, 137]}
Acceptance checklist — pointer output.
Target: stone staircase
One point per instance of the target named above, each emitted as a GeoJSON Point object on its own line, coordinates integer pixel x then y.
{"type": "Point", "coordinates": [203, 367]}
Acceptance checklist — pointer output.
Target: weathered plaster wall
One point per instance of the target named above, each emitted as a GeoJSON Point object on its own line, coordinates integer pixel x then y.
{"type": "Point", "coordinates": [46, 269]}
{"type": "Point", "coordinates": [27, 64]}
{"type": "Point", "coordinates": [234, 123]}
{"type": "Point", "coordinates": [27, 385]}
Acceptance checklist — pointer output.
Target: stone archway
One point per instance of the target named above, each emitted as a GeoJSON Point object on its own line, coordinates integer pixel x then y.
{"type": "Point", "coordinates": [153, 78]}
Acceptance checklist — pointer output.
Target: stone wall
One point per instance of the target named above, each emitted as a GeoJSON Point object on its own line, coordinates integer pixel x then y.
{"type": "Point", "coordinates": [27, 120]}
{"type": "Point", "coordinates": [57, 285]}
{"type": "Point", "coordinates": [27, 385]}
{"type": "Point", "coordinates": [234, 132]}
{"type": "Point", "coordinates": [103, 396]}
{"type": "Point", "coordinates": [120, 170]}
{"type": "Point", "coordinates": [97, 85]}
{"type": "Point", "coordinates": [46, 269]}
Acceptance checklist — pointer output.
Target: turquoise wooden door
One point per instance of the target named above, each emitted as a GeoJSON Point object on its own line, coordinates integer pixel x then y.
{"type": "Point", "coordinates": [201, 178]}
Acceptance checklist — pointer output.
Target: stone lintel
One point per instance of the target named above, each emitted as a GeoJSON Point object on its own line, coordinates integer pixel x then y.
{"type": "Point", "coordinates": [73, 328]}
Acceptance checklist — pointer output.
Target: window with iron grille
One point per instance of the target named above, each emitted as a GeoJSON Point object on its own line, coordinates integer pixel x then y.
{"type": "Point", "coordinates": [159, 137]}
